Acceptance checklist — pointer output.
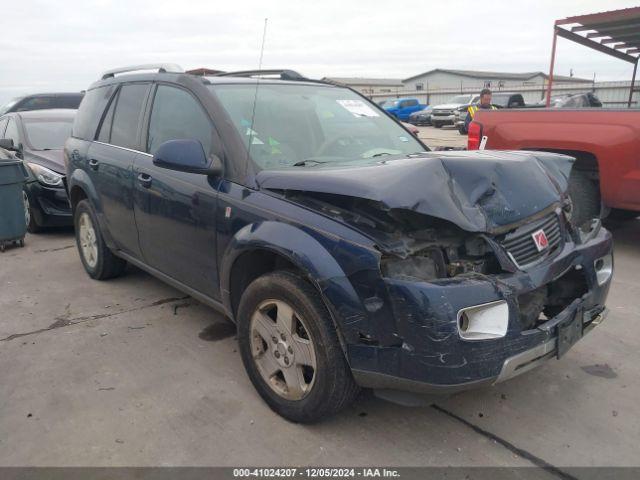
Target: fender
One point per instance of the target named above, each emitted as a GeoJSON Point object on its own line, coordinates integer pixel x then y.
{"type": "Point", "coordinates": [308, 254]}
{"type": "Point", "coordinates": [80, 178]}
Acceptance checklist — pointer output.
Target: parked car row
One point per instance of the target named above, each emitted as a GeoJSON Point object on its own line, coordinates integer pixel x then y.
{"type": "Point", "coordinates": [454, 112]}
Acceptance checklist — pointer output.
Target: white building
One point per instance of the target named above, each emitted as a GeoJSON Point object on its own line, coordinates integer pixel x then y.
{"type": "Point", "coordinates": [441, 79]}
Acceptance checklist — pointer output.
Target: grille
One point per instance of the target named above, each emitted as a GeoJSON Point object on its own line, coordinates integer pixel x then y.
{"type": "Point", "coordinates": [442, 112]}
{"type": "Point", "coordinates": [521, 246]}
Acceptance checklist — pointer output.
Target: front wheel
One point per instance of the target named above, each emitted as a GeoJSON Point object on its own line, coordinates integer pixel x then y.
{"type": "Point", "coordinates": [99, 262]}
{"type": "Point", "coordinates": [290, 349]}
{"type": "Point", "coordinates": [437, 124]}
{"type": "Point", "coordinates": [29, 217]}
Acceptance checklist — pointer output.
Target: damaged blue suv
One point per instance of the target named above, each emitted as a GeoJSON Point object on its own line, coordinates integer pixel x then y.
{"type": "Point", "coordinates": [347, 253]}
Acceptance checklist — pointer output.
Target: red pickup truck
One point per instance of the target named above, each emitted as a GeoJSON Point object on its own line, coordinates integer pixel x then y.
{"type": "Point", "coordinates": [605, 143]}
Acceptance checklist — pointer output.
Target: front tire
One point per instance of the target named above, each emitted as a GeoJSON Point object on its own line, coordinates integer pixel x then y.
{"type": "Point", "coordinates": [290, 349]}
{"type": "Point", "coordinates": [437, 124]}
{"type": "Point", "coordinates": [29, 217]}
{"type": "Point", "coordinates": [98, 261]}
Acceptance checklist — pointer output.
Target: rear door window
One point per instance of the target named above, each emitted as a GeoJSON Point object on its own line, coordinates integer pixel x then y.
{"type": "Point", "coordinates": [68, 101]}
{"type": "Point", "coordinates": [126, 117]}
{"type": "Point", "coordinates": [177, 115]}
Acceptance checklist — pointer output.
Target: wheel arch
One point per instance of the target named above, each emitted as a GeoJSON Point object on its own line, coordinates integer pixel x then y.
{"type": "Point", "coordinates": [81, 187]}
{"type": "Point", "coordinates": [585, 160]}
{"type": "Point", "coordinates": [257, 249]}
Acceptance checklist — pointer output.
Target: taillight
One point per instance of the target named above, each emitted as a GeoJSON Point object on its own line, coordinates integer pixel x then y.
{"type": "Point", "coordinates": [474, 136]}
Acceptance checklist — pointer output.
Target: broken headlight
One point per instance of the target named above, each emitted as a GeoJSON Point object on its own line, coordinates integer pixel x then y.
{"type": "Point", "coordinates": [423, 266]}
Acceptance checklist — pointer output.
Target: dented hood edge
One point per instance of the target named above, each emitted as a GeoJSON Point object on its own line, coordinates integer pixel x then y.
{"type": "Point", "coordinates": [479, 191]}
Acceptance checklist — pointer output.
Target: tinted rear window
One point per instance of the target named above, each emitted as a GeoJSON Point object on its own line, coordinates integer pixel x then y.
{"type": "Point", "coordinates": [68, 101]}
{"type": "Point", "coordinates": [90, 112]}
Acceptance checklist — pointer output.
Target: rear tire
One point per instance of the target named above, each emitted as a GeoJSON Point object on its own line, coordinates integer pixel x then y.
{"type": "Point", "coordinates": [99, 262]}
{"type": "Point", "coordinates": [585, 197]}
{"type": "Point", "coordinates": [316, 380]}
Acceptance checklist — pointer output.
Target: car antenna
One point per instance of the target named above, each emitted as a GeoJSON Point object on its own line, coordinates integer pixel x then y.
{"type": "Point", "coordinates": [255, 96]}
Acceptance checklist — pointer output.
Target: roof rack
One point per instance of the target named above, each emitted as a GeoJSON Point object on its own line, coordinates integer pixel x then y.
{"type": "Point", "coordinates": [160, 67]}
{"type": "Point", "coordinates": [282, 73]}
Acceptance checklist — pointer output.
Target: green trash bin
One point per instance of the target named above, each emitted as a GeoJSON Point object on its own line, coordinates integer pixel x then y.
{"type": "Point", "coordinates": [13, 226]}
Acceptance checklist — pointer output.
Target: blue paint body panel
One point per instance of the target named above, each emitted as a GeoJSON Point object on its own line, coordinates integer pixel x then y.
{"type": "Point", "coordinates": [194, 228]}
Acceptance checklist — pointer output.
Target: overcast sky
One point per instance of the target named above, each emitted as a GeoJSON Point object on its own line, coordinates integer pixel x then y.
{"type": "Point", "coordinates": [64, 45]}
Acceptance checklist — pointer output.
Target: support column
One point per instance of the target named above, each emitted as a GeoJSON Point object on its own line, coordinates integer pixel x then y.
{"type": "Point", "coordinates": [553, 61]}
{"type": "Point", "coordinates": [633, 82]}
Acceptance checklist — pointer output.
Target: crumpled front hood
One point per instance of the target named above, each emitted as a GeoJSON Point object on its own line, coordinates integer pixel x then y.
{"type": "Point", "coordinates": [479, 191]}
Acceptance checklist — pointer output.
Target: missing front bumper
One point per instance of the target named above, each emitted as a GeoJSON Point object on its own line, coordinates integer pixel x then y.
{"type": "Point", "coordinates": [557, 346]}
{"type": "Point", "coordinates": [511, 367]}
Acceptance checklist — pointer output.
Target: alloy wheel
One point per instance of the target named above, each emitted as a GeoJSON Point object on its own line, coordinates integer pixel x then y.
{"type": "Point", "coordinates": [283, 349]}
{"type": "Point", "coordinates": [88, 240]}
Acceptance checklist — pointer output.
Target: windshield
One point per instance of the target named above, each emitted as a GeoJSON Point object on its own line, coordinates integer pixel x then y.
{"type": "Point", "coordinates": [391, 103]}
{"type": "Point", "coordinates": [48, 134]}
{"type": "Point", "coordinates": [461, 99]}
{"type": "Point", "coordinates": [311, 124]}
{"type": "Point", "coordinates": [9, 105]}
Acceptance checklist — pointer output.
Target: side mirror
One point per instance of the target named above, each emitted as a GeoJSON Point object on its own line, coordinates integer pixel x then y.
{"type": "Point", "coordinates": [186, 156]}
{"type": "Point", "coordinates": [7, 144]}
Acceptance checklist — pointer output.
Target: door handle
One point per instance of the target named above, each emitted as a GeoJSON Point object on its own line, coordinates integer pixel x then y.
{"type": "Point", "coordinates": [144, 180]}
{"type": "Point", "coordinates": [94, 164]}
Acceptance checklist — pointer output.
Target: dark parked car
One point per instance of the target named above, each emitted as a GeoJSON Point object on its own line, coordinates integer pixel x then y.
{"type": "Point", "coordinates": [43, 101]}
{"type": "Point", "coordinates": [38, 138]}
{"type": "Point", "coordinates": [421, 117]}
{"type": "Point", "coordinates": [347, 254]}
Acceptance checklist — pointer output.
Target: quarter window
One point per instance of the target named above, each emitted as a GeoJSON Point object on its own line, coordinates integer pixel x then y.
{"type": "Point", "coordinates": [124, 131]}
{"type": "Point", "coordinates": [177, 115]}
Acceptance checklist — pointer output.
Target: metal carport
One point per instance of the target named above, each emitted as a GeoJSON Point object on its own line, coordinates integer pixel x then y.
{"type": "Point", "coordinates": [616, 33]}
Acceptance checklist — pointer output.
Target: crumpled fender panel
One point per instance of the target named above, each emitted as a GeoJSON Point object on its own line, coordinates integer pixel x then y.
{"type": "Point", "coordinates": [331, 264]}
{"type": "Point", "coordinates": [478, 191]}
